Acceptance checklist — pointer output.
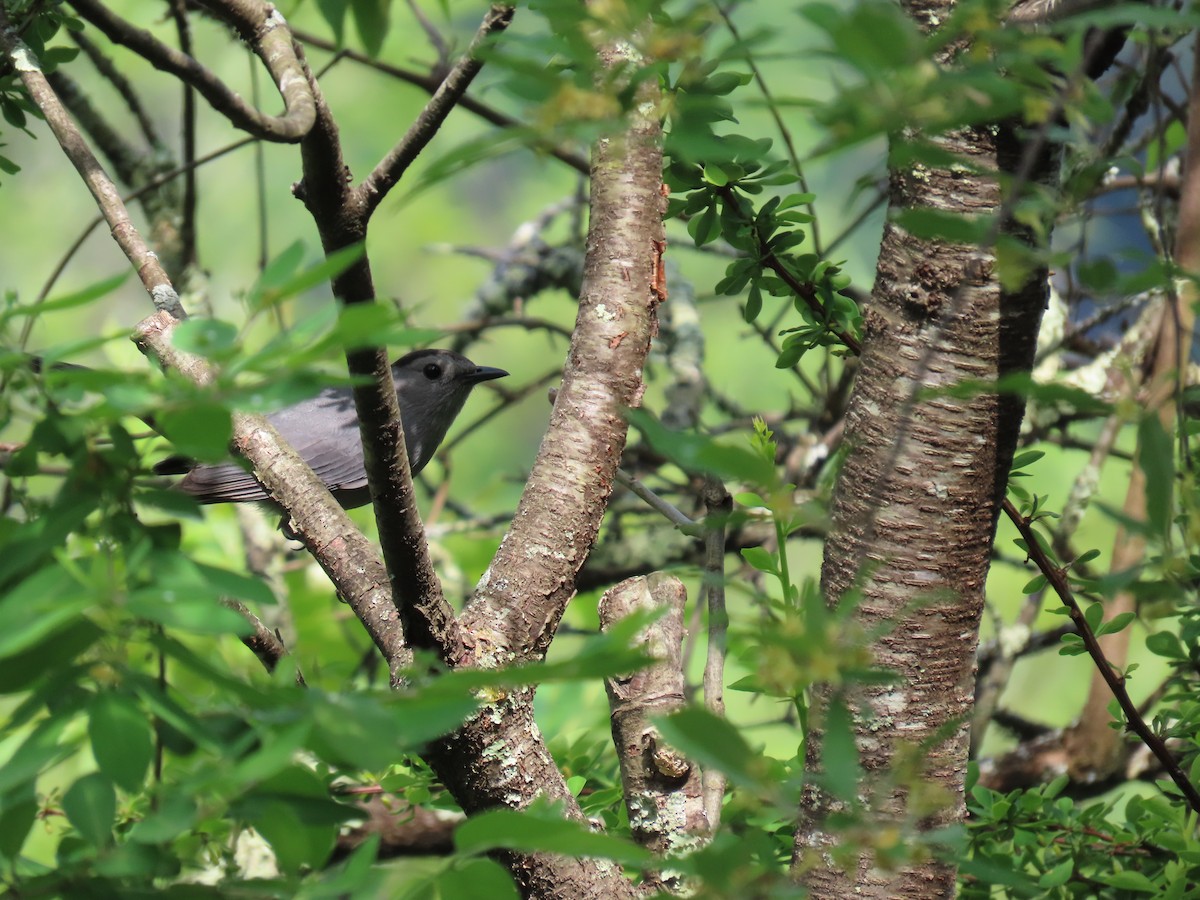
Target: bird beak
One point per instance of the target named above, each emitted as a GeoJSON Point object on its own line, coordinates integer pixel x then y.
{"type": "Point", "coordinates": [483, 373]}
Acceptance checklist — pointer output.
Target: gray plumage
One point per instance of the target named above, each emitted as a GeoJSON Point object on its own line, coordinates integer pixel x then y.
{"type": "Point", "coordinates": [431, 387]}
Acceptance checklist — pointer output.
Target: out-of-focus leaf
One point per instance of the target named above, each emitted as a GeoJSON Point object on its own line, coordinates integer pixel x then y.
{"type": "Point", "coordinates": [1156, 459]}
{"type": "Point", "coordinates": [530, 832]}
{"type": "Point", "coordinates": [471, 879]}
{"type": "Point", "coordinates": [839, 754]}
{"type": "Point", "coordinates": [371, 20]}
{"type": "Point", "coordinates": [76, 298]}
{"type": "Point", "coordinates": [40, 605]}
{"type": "Point", "coordinates": [712, 741]}
{"type": "Point", "coordinates": [697, 453]}
{"type": "Point", "coordinates": [201, 430]}
{"type": "Point", "coordinates": [91, 806]}
{"type": "Point", "coordinates": [122, 741]}
{"type": "Point", "coordinates": [206, 337]}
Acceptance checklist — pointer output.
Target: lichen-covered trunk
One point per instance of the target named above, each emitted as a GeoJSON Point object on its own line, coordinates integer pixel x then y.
{"type": "Point", "coordinates": [914, 516]}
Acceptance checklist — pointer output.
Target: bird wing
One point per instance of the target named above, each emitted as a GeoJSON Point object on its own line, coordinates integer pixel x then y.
{"type": "Point", "coordinates": [323, 430]}
{"type": "Point", "coordinates": [334, 449]}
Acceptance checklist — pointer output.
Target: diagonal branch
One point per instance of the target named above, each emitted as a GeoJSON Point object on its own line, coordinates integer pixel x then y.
{"type": "Point", "coordinates": [1113, 678]}
{"type": "Point", "coordinates": [448, 94]}
{"type": "Point", "coordinates": [338, 546]}
{"type": "Point", "coordinates": [341, 218]}
{"type": "Point", "coordinates": [525, 591]}
{"type": "Point", "coordinates": [341, 550]}
{"type": "Point", "coordinates": [431, 83]}
{"type": "Point", "coordinates": [101, 186]}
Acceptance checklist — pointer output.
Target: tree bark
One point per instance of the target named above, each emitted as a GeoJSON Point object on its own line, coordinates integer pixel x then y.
{"type": "Point", "coordinates": [914, 514]}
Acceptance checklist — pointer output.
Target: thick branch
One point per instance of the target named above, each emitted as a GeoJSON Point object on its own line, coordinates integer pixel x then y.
{"type": "Point", "coordinates": [341, 217]}
{"type": "Point", "coordinates": [265, 30]}
{"type": "Point", "coordinates": [498, 756]}
{"type": "Point", "coordinates": [663, 791]}
{"type": "Point", "coordinates": [523, 594]}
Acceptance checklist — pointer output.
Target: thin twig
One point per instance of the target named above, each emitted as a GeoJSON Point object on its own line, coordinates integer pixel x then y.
{"type": "Point", "coordinates": [264, 643]}
{"type": "Point", "coordinates": [718, 504]}
{"type": "Point", "coordinates": [447, 96]}
{"type": "Point", "coordinates": [1057, 579]}
{"type": "Point", "coordinates": [673, 515]}
{"type": "Point", "coordinates": [430, 83]}
{"type": "Point", "coordinates": [102, 188]}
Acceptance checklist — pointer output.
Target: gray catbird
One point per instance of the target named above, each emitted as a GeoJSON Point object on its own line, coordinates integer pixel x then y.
{"type": "Point", "coordinates": [431, 386]}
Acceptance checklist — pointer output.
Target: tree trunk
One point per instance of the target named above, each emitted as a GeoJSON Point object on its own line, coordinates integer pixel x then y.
{"type": "Point", "coordinates": [914, 516]}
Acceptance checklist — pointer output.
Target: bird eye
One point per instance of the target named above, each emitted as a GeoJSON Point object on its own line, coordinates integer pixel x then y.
{"type": "Point", "coordinates": [433, 371]}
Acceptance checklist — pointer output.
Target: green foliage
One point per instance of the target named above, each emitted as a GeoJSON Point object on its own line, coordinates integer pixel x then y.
{"type": "Point", "coordinates": [141, 745]}
{"type": "Point", "coordinates": [1036, 843]}
{"type": "Point", "coordinates": [713, 196]}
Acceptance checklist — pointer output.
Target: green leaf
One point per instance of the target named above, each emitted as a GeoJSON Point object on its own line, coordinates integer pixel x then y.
{"type": "Point", "coordinates": [77, 298]}
{"type": "Point", "coordinates": [276, 286]}
{"type": "Point", "coordinates": [470, 879]}
{"type": "Point", "coordinates": [1027, 458]}
{"type": "Point", "coordinates": [760, 559]}
{"type": "Point", "coordinates": [176, 814]}
{"type": "Point", "coordinates": [366, 730]}
{"type": "Point", "coordinates": [1128, 881]}
{"type": "Point", "coordinates": [715, 175]}
{"type": "Point", "coordinates": [374, 324]}
{"type": "Point", "coordinates": [371, 20]}
{"type": "Point", "coordinates": [179, 596]}
{"type": "Point", "coordinates": [40, 605]}
{"type": "Point", "coordinates": [122, 741]}
{"type": "Point", "coordinates": [334, 14]}
{"type": "Point", "coordinates": [1059, 875]}
{"type": "Point", "coordinates": [754, 304]}
{"type": "Point", "coordinates": [1164, 643]}
{"type": "Point", "coordinates": [90, 805]}
{"type": "Point", "coordinates": [1034, 585]}
{"type": "Point", "coordinates": [38, 752]}
{"type": "Point", "coordinates": [696, 453]}
{"type": "Point", "coordinates": [703, 227]}
{"type": "Point", "coordinates": [236, 585]}
{"type": "Point", "coordinates": [531, 832]}
{"type": "Point", "coordinates": [205, 337]}
{"type": "Point", "coordinates": [278, 270]}
{"type": "Point", "coordinates": [935, 224]}
{"type": "Point", "coordinates": [1116, 623]}
{"type": "Point", "coordinates": [18, 811]}
{"type": "Point", "coordinates": [201, 430]}
{"type": "Point", "coordinates": [839, 753]}
{"type": "Point", "coordinates": [1156, 459]}
{"type": "Point", "coordinates": [712, 741]}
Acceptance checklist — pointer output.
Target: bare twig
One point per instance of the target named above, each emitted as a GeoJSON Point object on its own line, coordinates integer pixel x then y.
{"type": "Point", "coordinates": [431, 83]}
{"type": "Point", "coordinates": [264, 643]}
